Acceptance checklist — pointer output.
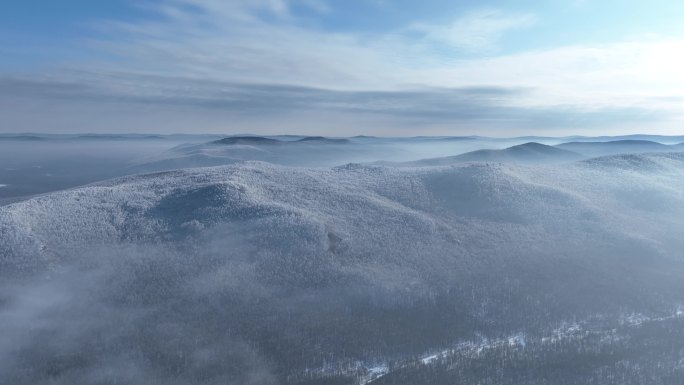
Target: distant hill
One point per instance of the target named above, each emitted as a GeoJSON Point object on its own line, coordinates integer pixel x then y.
{"type": "Point", "coordinates": [28, 138]}
{"type": "Point", "coordinates": [247, 140]}
{"type": "Point", "coordinates": [524, 153]}
{"type": "Point", "coordinates": [442, 138]}
{"type": "Point", "coordinates": [614, 147]}
{"type": "Point", "coordinates": [260, 140]}
{"type": "Point", "coordinates": [321, 139]}
{"type": "Point", "coordinates": [638, 137]}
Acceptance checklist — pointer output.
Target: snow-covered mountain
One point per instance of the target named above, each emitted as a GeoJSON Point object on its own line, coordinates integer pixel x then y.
{"type": "Point", "coordinates": [157, 206]}
{"type": "Point", "coordinates": [259, 273]}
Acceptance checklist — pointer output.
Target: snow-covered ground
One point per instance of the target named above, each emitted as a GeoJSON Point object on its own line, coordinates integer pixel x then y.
{"type": "Point", "coordinates": [295, 251]}
{"type": "Point", "coordinates": [353, 208]}
{"type": "Point", "coordinates": [475, 349]}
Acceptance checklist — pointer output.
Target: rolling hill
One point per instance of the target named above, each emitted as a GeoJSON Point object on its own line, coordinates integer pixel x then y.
{"type": "Point", "coordinates": [615, 147]}
{"type": "Point", "coordinates": [255, 273]}
{"type": "Point", "coordinates": [524, 153]}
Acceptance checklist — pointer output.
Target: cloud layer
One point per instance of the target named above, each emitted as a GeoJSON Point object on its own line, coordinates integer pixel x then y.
{"type": "Point", "coordinates": [242, 107]}
{"type": "Point", "coordinates": [262, 64]}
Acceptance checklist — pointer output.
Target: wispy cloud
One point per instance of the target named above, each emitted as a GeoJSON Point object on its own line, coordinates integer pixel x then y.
{"type": "Point", "coordinates": [232, 41]}
{"type": "Point", "coordinates": [241, 41]}
{"type": "Point", "coordinates": [261, 60]}
{"type": "Point", "coordinates": [478, 31]}
{"type": "Point", "coordinates": [124, 98]}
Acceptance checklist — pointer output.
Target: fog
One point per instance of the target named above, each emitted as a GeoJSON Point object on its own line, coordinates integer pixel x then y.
{"type": "Point", "coordinates": [35, 167]}
{"type": "Point", "coordinates": [355, 262]}
{"type": "Point", "coordinates": [33, 164]}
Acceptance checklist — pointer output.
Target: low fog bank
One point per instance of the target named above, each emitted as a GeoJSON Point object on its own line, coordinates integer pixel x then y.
{"type": "Point", "coordinates": [36, 167]}
{"type": "Point", "coordinates": [417, 151]}
{"type": "Point", "coordinates": [255, 273]}
{"type": "Point", "coordinates": [32, 164]}
{"type": "Point", "coordinates": [311, 151]}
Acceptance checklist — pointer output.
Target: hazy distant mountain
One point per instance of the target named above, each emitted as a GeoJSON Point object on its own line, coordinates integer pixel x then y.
{"type": "Point", "coordinates": [38, 163]}
{"type": "Point", "coordinates": [444, 138]}
{"type": "Point", "coordinates": [104, 137]}
{"type": "Point", "coordinates": [20, 137]}
{"type": "Point", "coordinates": [665, 139]}
{"type": "Point", "coordinates": [615, 147]}
{"type": "Point", "coordinates": [247, 140]}
{"type": "Point", "coordinates": [321, 139]}
{"type": "Point", "coordinates": [260, 140]}
{"type": "Point", "coordinates": [523, 153]}
{"type": "Point", "coordinates": [307, 151]}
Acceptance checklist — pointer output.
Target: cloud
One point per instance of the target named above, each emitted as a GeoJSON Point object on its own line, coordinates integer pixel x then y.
{"type": "Point", "coordinates": [478, 31]}
{"type": "Point", "coordinates": [245, 10]}
{"type": "Point", "coordinates": [133, 99]}
{"type": "Point", "coordinates": [220, 43]}
{"type": "Point", "coordinates": [241, 41]}
{"type": "Point", "coordinates": [253, 65]}
{"type": "Point", "coordinates": [246, 97]}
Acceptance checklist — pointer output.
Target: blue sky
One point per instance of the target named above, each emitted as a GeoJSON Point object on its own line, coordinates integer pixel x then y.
{"type": "Point", "coordinates": [352, 67]}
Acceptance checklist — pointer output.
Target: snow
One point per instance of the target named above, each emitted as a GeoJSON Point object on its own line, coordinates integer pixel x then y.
{"type": "Point", "coordinates": [564, 333]}
{"type": "Point", "coordinates": [435, 357]}
{"type": "Point", "coordinates": [374, 373]}
{"type": "Point", "coordinates": [378, 370]}
{"type": "Point", "coordinates": [517, 340]}
{"type": "Point", "coordinates": [394, 214]}
{"type": "Point", "coordinates": [635, 319]}
{"type": "Point", "coordinates": [401, 230]}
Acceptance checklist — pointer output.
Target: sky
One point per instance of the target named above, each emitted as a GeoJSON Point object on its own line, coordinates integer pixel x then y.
{"type": "Point", "coordinates": [342, 68]}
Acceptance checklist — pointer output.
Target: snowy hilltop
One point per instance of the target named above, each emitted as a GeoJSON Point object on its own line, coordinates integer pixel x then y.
{"type": "Point", "coordinates": [260, 273]}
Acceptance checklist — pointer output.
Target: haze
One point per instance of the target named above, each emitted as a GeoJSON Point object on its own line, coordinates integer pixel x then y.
{"type": "Point", "coordinates": [367, 192]}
